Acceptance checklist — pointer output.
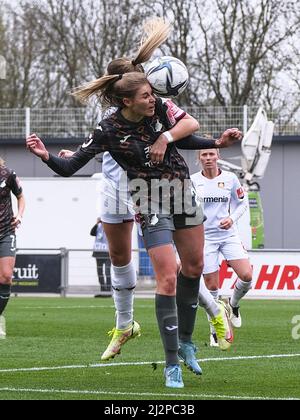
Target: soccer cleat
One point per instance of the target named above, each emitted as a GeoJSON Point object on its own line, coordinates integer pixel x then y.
{"type": "Point", "coordinates": [173, 376]}
{"type": "Point", "coordinates": [222, 325]}
{"type": "Point", "coordinates": [119, 338]}
{"type": "Point", "coordinates": [2, 328]}
{"type": "Point", "coordinates": [213, 340]}
{"type": "Point", "coordinates": [187, 353]}
{"type": "Point", "coordinates": [235, 316]}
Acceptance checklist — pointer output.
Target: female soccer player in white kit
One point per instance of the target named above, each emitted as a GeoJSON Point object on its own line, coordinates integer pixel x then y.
{"type": "Point", "coordinates": [116, 212]}
{"type": "Point", "coordinates": [224, 203]}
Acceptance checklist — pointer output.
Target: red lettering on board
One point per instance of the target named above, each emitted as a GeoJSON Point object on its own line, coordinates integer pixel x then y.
{"type": "Point", "coordinates": [289, 274]}
{"type": "Point", "coordinates": [270, 278]}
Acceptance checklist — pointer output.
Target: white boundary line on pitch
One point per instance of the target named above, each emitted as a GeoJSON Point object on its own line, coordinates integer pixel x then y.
{"type": "Point", "coordinates": [106, 365]}
{"type": "Point", "coordinates": [83, 307]}
{"type": "Point", "coordinates": [140, 394]}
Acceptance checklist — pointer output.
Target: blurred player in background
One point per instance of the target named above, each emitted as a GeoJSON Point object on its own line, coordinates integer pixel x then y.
{"type": "Point", "coordinates": [103, 262]}
{"type": "Point", "coordinates": [221, 192]}
{"type": "Point", "coordinates": [9, 183]}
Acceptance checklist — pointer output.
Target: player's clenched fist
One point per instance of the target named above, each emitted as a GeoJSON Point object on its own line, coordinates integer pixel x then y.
{"type": "Point", "coordinates": [35, 145]}
{"type": "Point", "coordinates": [229, 137]}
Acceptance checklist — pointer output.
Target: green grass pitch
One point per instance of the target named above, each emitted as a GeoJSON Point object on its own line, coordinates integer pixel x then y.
{"type": "Point", "coordinates": [54, 345]}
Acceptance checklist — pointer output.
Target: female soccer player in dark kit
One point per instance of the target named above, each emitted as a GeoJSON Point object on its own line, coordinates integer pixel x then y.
{"type": "Point", "coordinates": [128, 135]}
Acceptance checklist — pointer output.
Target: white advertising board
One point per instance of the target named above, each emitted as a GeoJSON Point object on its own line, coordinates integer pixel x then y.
{"type": "Point", "coordinates": [275, 274]}
{"type": "Point", "coordinates": [60, 212]}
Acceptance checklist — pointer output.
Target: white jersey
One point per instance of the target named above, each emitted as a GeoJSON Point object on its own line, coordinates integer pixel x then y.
{"type": "Point", "coordinates": [222, 197]}
{"type": "Point", "coordinates": [116, 205]}
{"type": "Point", "coordinates": [112, 171]}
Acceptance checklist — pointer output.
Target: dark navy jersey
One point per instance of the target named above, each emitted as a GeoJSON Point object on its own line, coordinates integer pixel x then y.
{"type": "Point", "coordinates": [8, 183]}
{"type": "Point", "coordinates": [129, 143]}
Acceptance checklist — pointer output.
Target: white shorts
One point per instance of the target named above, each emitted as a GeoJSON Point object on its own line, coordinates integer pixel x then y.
{"type": "Point", "coordinates": [115, 206]}
{"type": "Point", "coordinates": [231, 249]}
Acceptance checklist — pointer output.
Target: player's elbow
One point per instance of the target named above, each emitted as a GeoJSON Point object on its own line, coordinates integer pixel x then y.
{"type": "Point", "coordinates": [195, 125]}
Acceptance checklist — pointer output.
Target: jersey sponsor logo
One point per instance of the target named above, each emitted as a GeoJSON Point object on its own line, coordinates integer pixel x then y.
{"type": "Point", "coordinates": [147, 150]}
{"type": "Point", "coordinates": [88, 142]}
{"type": "Point", "coordinates": [156, 126]}
{"type": "Point", "coordinates": [125, 139]}
{"type": "Point", "coordinates": [214, 199]}
{"type": "Point", "coordinates": [221, 185]}
{"type": "Point", "coordinates": [240, 193]}
{"type": "Point", "coordinates": [153, 220]}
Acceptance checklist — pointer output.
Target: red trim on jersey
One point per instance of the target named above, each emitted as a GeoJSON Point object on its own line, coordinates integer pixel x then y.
{"type": "Point", "coordinates": [174, 113]}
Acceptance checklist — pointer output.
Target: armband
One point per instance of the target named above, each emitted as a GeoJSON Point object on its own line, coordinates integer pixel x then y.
{"type": "Point", "coordinates": [168, 136]}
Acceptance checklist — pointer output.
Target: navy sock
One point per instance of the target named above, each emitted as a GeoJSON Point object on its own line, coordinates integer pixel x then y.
{"type": "Point", "coordinates": [187, 305]}
{"type": "Point", "coordinates": [166, 313]}
{"type": "Point", "coordinates": [5, 291]}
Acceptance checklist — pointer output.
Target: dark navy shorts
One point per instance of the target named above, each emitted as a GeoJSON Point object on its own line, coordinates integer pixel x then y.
{"type": "Point", "coordinates": [8, 246]}
{"type": "Point", "coordinates": [158, 229]}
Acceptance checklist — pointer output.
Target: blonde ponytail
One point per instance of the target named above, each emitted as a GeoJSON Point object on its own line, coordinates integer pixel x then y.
{"type": "Point", "coordinates": [110, 90]}
{"type": "Point", "coordinates": [157, 31]}
{"type": "Point", "coordinates": [95, 87]}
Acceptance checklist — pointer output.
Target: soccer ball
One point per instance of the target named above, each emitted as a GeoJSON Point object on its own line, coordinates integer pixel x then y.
{"type": "Point", "coordinates": [168, 76]}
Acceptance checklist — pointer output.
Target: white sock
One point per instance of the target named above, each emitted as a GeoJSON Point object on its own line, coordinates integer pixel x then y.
{"type": "Point", "coordinates": [241, 288]}
{"type": "Point", "coordinates": [123, 282]}
{"type": "Point", "coordinates": [207, 301]}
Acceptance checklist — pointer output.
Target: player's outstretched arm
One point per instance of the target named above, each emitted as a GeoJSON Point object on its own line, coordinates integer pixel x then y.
{"type": "Point", "coordinates": [61, 166]}
{"type": "Point", "coordinates": [184, 127]}
{"type": "Point", "coordinates": [193, 142]}
{"type": "Point", "coordinates": [229, 137]}
{"type": "Point", "coordinates": [65, 153]}
{"type": "Point", "coordinates": [35, 145]}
